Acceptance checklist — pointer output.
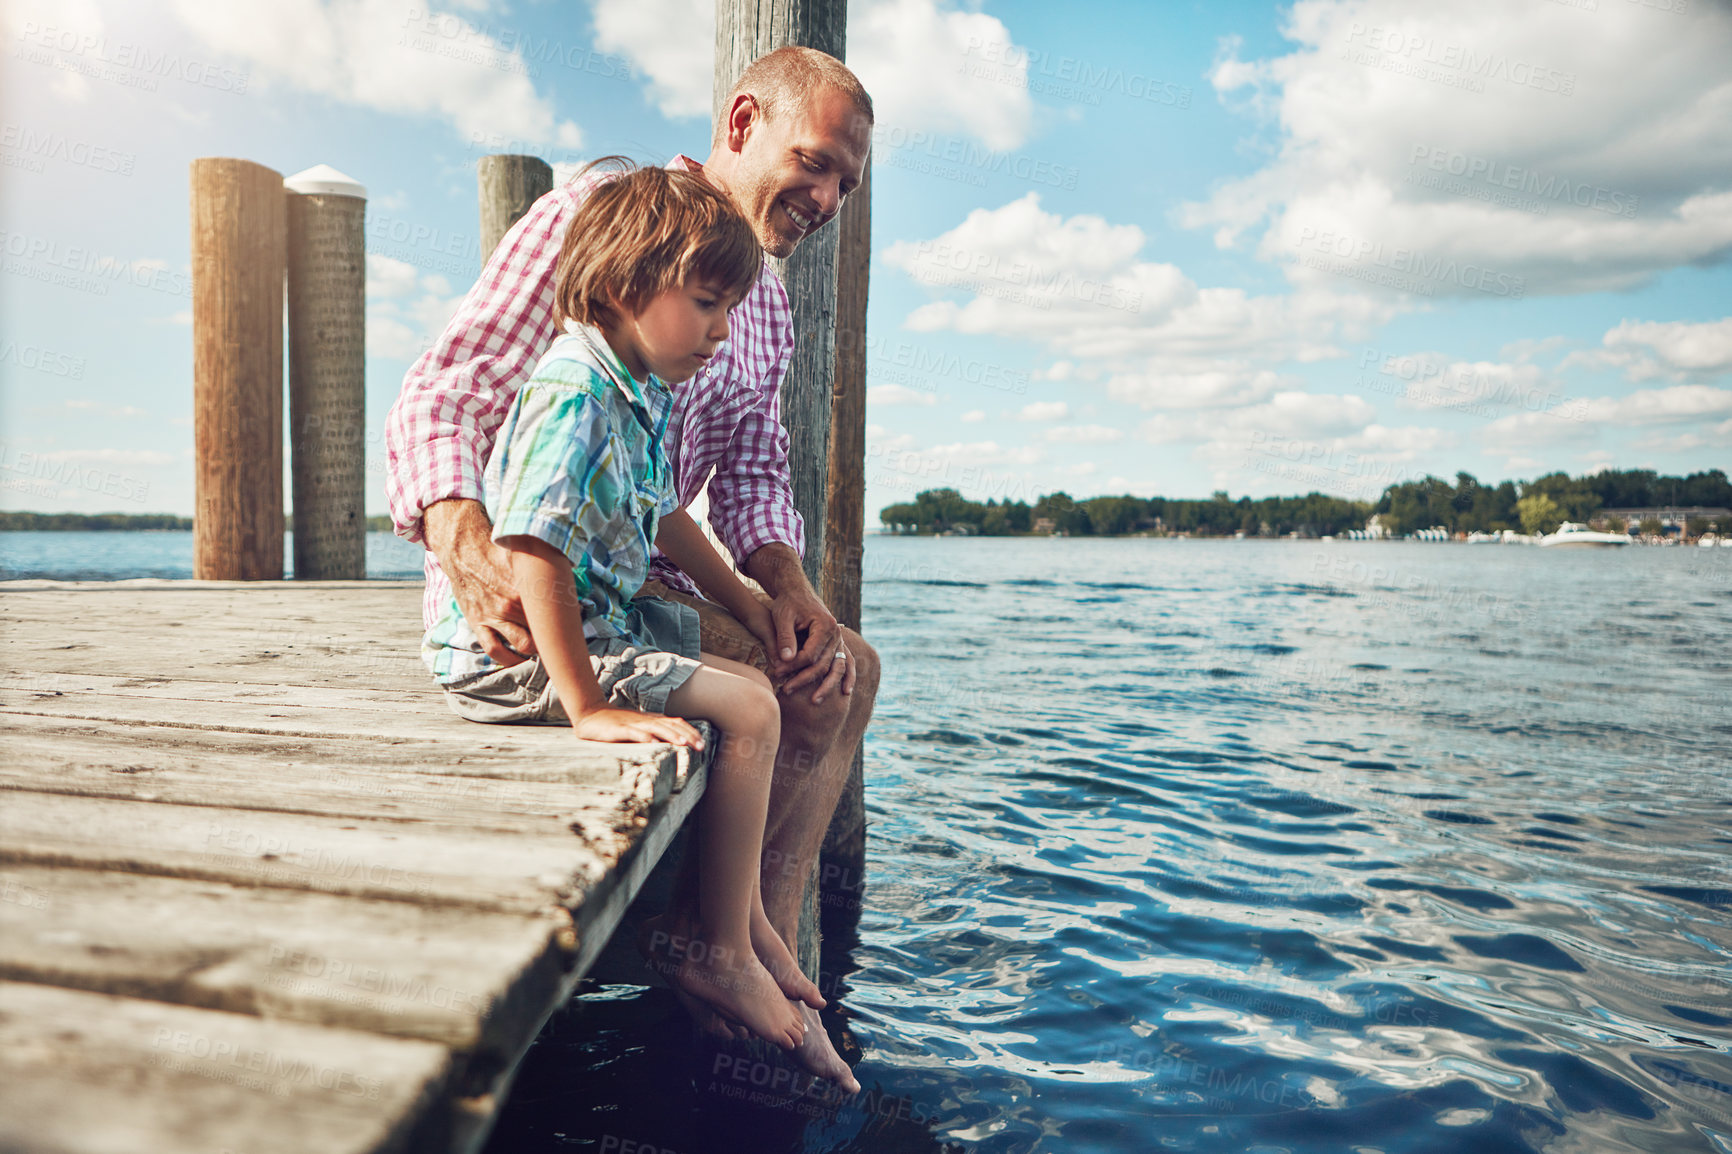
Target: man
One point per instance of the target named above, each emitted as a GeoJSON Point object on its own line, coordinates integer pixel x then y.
{"type": "Point", "coordinates": [788, 147]}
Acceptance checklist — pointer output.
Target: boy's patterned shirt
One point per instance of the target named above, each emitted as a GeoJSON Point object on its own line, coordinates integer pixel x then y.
{"type": "Point", "coordinates": [726, 432]}
{"type": "Point", "coordinates": [580, 463]}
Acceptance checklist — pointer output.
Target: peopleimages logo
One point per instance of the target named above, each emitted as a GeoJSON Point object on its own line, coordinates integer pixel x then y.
{"type": "Point", "coordinates": [1426, 56]}
{"type": "Point", "coordinates": [1415, 269]}
{"type": "Point", "coordinates": [133, 65]}
{"type": "Point", "coordinates": [1475, 170]}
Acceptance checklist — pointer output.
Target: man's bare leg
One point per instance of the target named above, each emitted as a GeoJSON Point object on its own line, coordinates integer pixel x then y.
{"type": "Point", "coordinates": [818, 744]}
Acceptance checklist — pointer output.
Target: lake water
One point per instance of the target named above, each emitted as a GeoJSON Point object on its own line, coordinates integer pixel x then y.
{"type": "Point", "coordinates": [1250, 846]}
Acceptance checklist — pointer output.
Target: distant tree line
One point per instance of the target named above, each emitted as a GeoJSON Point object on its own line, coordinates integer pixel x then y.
{"type": "Point", "coordinates": [48, 522]}
{"type": "Point", "coordinates": [1465, 506]}
{"type": "Point", "coordinates": [1539, 506]}
{"type": "Point", "coordinates": [942, 510]}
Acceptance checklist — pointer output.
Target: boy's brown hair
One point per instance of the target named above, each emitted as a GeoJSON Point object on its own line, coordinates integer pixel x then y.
{"type": "Point", "coordinates": [644, 232]}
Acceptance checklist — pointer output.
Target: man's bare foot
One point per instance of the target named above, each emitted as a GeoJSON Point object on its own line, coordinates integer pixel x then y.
{"type": "Point", "coordinates": [733, 982]}
{"type": "Point", "coordinates": [779, 960]}
{"type": "Point", "coordinates": [818, 1056]}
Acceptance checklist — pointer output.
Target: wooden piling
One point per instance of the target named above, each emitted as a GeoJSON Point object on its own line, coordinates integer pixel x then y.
{"type": "Point", "coordinates": [746, 30]}
{"type": "Point", "coordinates": [327, 292]}
{"type": "Point", "coordinates": [237, 317]}
{"type": "Point", "coordinates": [844, 853]}
{"type": "Point", "coordinates": [509, 184]}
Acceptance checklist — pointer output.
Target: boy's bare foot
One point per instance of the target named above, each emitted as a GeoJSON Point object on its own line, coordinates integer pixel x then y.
{"type": "Point", "coordinates": [779, 960]}
{"type": "Point", "coordinates": [655, 943]}
{"type": "Point", "coordinates": [734, 983]}
{"type": "Point", "coordinates": [818, 1056]}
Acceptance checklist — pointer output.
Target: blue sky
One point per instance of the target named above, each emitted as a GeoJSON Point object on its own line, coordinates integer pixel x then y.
{"type": "Point", "coordinates": [1117, 247]}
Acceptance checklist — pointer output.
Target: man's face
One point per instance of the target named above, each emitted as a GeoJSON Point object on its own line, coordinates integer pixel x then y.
{"type": "Point", "coordinates": [794, 171]}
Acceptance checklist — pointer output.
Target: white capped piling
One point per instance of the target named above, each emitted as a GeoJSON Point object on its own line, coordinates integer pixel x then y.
{"type": "Point", "coordinates": [237, 323]}
{"type": "Point", "coordinates": [327, 291]}
{"type": "Point", "coordinates": [509, 184]}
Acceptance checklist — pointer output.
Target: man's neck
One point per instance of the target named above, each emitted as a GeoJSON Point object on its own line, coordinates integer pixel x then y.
{"type": "Point", "coordinates": [718, 169]}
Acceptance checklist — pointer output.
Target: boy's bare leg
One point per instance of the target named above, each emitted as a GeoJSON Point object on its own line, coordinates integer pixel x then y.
{"type": "Point", "coordinates": [717, 962]}
{"type": "Point", "coordinates": [817, 751]}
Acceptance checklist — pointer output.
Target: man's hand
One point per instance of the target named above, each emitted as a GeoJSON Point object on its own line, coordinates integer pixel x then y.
{"type": "Point", "coordinates": [461, 537]}
{"type": "Point", "coordinates": [809, 652]}
{"type": "Point", "coordinates": [611, 724]}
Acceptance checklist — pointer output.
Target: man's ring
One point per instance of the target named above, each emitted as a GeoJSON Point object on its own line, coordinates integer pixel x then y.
{"type": "Point", "coordinates": [841, 655]}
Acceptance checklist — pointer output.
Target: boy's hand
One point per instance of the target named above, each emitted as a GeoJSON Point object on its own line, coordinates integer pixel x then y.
{"type": "Point", "coordinates": [628, 725]}
{"type": "Point", "coordinates": [762, 626]}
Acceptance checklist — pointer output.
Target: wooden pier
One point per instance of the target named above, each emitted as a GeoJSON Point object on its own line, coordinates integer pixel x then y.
{"type": "Point", "coordinates": [260, 890]}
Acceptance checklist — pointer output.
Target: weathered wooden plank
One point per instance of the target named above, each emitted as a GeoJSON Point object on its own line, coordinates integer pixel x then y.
{"type": "Point", "coordinates": [59, 746]}
{"type": "Point", "coordinates": [50, 756]}
{"type": "Point", "coordinates": [85, 1073]}
{"type": "Point", "coordinates": [307, 633]}
{"type": "Point", "coordinates": [467, 979]}
{"type": "Point", "coordinates": [292, 709]}
{"type": "Point", "coordinates": [212, 789]}
{"type": "Point", "coordinates": [436, 863]}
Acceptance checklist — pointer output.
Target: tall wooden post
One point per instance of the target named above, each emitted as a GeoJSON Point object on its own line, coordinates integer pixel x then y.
{"type": "Point", "coordinates": [237, 365]}
{"type": "Point", "coordinates": [327, 373]}
{"type": "Point", "coordinates": [508, 185]}
{"type": "Point", "coordinates": [746, 30]}
{"type": "Point", "coordinates": [844, 856]}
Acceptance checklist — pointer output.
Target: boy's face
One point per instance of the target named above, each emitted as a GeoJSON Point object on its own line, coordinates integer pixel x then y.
{"type": "Point", "coordinates": [794, 172]}
{"type": "Point", "coordinates": [675, 333]}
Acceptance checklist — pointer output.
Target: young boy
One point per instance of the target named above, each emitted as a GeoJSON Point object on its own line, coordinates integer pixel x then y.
{"type": "Point", "coordinates": [578, 488]}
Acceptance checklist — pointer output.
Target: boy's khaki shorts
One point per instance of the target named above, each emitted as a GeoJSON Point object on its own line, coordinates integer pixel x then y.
{"type": "Point", "coordinates": [632, 676]}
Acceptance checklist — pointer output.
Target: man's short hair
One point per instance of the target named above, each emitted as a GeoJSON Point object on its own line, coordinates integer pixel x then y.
{"type": "Point", "coordinates": [782, 81]}
{"type": "Point", "coordinates": [643, 232]}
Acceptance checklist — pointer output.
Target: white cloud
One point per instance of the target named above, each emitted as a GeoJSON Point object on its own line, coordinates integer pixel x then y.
{"type": "Point", "coordinates": [931, 66]}
{"type": "Point", "coordinates": [1565, 154]}
{"type": "Point", "coordinates": [406, 308]}
{"type": "Point", "coordinates": [31, 20]}
{"type": "Point", "coordinates": [366, 52]}
{"type": "Point", "coordinates": [1083, 435]}
{"type": "Point", "coordinates": [899, 395]}
{"type": "Point", "coordinates": [1671, 349]}
{"type": "Point", "coordinates": [1301, 441]}
{"type": "Point", "coordinates": [1078, 285]}
{"type": "Point", "coordinates": [1044, 411]}
{"type": "Point", "coordinates": [1663, 406]}
{"type": "Point", "coordinates": [673, 42]}
{"type": "Point", "coordinates": [974, 416]}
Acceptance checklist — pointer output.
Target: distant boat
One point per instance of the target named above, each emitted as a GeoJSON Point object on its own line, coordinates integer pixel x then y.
{"type": "Point", "coordinates": [1575, 533]}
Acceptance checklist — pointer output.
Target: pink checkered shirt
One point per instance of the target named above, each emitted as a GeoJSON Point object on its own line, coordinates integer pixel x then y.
{"type": "Point", "coordinates": [726, 418]}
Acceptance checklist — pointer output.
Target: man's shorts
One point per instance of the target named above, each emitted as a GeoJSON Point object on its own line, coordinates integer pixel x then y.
{"type": "Point", "coordinates": [721, 634]}
{"type": "Point", "coordinates": [633, 675]}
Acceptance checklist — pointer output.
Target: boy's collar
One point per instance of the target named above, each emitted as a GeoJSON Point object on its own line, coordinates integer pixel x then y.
{"type": "Point", "coordinates": [608, 360]}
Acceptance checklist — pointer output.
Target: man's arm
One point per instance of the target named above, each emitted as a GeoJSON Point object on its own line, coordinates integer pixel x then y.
{"type": "Point", "coordinates": [441, 428]}
{"type": "Point", "coordinates": [460, 535]}
{"type": "Point", "coordinates": [679, 537]}
{"type": "Point", "coordinates": [752, 511]}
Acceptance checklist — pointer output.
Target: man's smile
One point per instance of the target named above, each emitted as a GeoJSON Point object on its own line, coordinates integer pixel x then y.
{"type": "Point", "coordinates": [802, 221]}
